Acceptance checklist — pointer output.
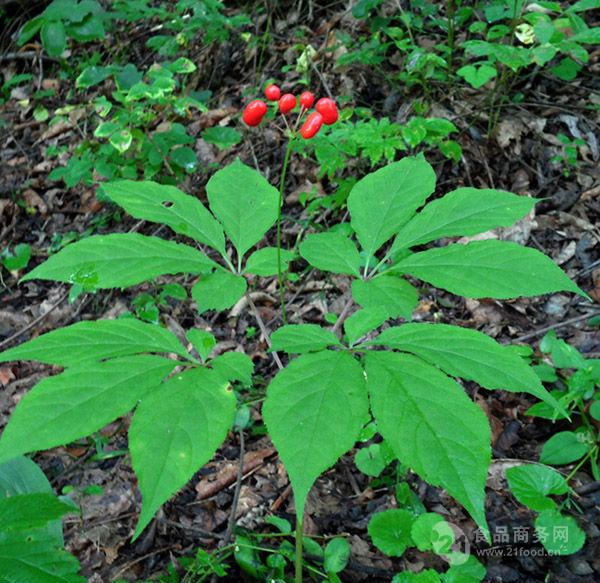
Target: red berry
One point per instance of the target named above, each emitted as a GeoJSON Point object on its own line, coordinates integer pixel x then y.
{"type": "Point", "coordinates": [272, 92]}
{"type": "Point", "coordinates": [312, 125]}
{"type": "Point", "coordinates": [307, 99]}
{"type": "Point", "coordinates": [287, 102]}
{"type": "Point", "coordinates": [254, 112]}
{"type": "Point", "coordinates": [328, 109]}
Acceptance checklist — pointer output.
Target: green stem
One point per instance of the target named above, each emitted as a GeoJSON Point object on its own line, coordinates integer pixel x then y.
{"type": "Point", "coordinates": [589, 454]}
{"type": "Point", "coordinates": [298, 563]}
{"type": "Point", "coordinates": [450, 14]}
{"type": "Point", "coordinates": [280, 279]}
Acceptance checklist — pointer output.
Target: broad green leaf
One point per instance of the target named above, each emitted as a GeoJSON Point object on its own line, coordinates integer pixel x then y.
{"type": "Point", "coordinates": [363, 321]}
{"type": "Point", "coordinates": [202, 341]}
{"type": "Point", "coordinates": [234, 366]}
{"type": "Point", "coordinates": [559, 534]}
{"type": "Point", "coordinates": [244, 202]}
{"type": "Point", "coordinates": [477, 76]}
{"type": "Point", "coordinates": [337, 553]}
{"type": "Point", "coordinates": [331, 252]}
{"type": "Point", "coordinates": [79, 401]}
{"type": "Point", "coordinates": [488, 269]}
{"type": "Point", "coordinates": [432, 426]}
{"type": "Point", "coordinates": [35, 559]}
{"type": "Point", "coordinates": [264, 261]}
{"type": "Point", "coordinates": [425, 576]}
{"type": "Point", "coordinates": [96, 340]}
{"type": "Point", "coordinates": [174, 432]}
{"type": "Point", "coordinates": [531, 485]}
{"type": "Point", "coordinates": [373, 459]}
{"type": "Point", "coordinates": [54, 38]}
{"type": "Point", "coordinates": [218, 291]}
{"type": "Point", "coordinates": [563, 355]}
{"type": "Point", "coordinates": [222, 137]}
{"type": "Point", "coordinates": [161, 203]}
{"type": "Point", "coordinates": [303, 413]}
{"type": "Point", "coordinates": [300, 338]}
{"type": "Point", "coordinates": [120, 260]}
{"type": "Point", "coordinates": [392, 294]}
{"type": "Point", "coordinates": [563, 448]}
{"type": "Point", "coordinates": [383, 201]}
{"type": "Point", "coordinates": [431, 532]}
{"type": "Point", "coordinates": [30, 511]}
{"type": "Point", "coordinates": [468, 354]}
{"type": "Point", "coordinates": [466, 570]}
{"type": "Point", "coordinates": [390, 531]}
{"type": "Point", "coordinates": [463, 212]}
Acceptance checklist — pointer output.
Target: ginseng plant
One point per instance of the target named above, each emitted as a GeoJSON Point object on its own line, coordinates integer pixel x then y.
{"type": "Point", "coordinates": [405, 376]}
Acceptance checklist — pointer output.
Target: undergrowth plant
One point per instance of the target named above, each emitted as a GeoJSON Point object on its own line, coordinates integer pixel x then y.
{"type": "Point", "coordinates": [402, 375]}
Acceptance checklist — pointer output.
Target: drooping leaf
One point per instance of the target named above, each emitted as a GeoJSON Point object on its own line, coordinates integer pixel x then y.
{"type": "Point", "coordinates": [394, 295]}
{"type": "Point", "coordinates": [531, 485]}
{"type": "Point", "coordinates": [463, 212]}
{"type": "Point", "coordinates": [120, 260]}
{"type": "Point", "coordinates": [300, 338]}
{"type": "Point", "coordinates": [302, 414]}
{"type": "Point", "coordinates": [244, 202]}
{"type": "Point", "coordinates": [96, 340]}
{"type": "Point", "coordinates": [174, 432]}
{"type": "Point", "coordinates": [162, 203]}
{"type": "Point", "coordinates": [432, 426]}
{"type": "Point", "coordinates": [264, 261]}
{"type": "Point", "coordinates": [218, 291]}
{"type": "Point", "coordinates": [79, 401]}
{"type": "Point", "coordinates": [331, 252]}
{"type": "Point", "coordinates": [488, 269]}
{"type": "Point", "coordinates": [383, 201]}
{"type": "Point", "coordinates": [468, 354]}
{"type": "Point", "coordinates": [390, 531]}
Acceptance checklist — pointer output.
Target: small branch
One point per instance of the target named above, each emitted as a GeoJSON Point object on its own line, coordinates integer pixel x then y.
{"type": "Point", "coordinates": [236, 493]}
{"type": "Point", "coordinates": [552, 327]}
{"type": "Point", "coordinates": [324, 83]}
{"type": "Point", "coordinates": [337, 327]}
{"type": "Point", "coordinates": [263, 330]}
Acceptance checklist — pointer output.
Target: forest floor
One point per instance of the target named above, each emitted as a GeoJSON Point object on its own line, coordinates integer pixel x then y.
{"type": "Point", "coordinates": [516, 157]}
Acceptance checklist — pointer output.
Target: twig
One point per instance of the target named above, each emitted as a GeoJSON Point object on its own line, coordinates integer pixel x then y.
{"type": "Point", "coordinates": [263, 330]}
{"type": "Point", "coordinates": [35, 322]}
{"type": "Point", "coordinates": [26, 55]}
{"type": "Point", "coordinates": [320, 75]}
{"type": "Point", "coordinates": [337, 327]}
{"type": "Point", "coordinates": [551, 327]}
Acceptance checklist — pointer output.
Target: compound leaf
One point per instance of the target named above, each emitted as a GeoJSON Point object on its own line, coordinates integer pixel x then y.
{"type": "Point", "coordinates": [432, 426]}
{"type": "Point", "coordinates": [174, 432]}
{"type": "Point", "coordinates": [162, 203]}
{"type": "Point", "coordinates": [488, 269]}
{"type": "Point", "coordinates": [120, 260]}
{"type": "Point", "coordinates": [314, 411]}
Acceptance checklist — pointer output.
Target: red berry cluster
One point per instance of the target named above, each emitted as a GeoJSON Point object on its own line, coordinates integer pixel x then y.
{"type": "Point", "coordinates": [326, 110]}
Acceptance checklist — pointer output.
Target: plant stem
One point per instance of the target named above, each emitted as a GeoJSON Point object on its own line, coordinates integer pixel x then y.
{"type": "Point", "coordinates": [280, 279]}
{"type": "Point", "coordinates": [589, 454]}
{"type": "Point", "coordinates": [450, 15]}
{"type": "Point", "coordinates": [298, 563]}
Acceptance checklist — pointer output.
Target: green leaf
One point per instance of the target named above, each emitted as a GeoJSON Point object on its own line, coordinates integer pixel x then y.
{"type": "Point", "coordinates": [302, 414]}
{"type": "Point", "coordinates": [563, 448]}
{"type": "Point", "coordinates": [185, 158]}
{"type": "Point", "coordinates": [384, 200]}
{"type": "Point", "coordinates": [218, 291]}
{"type": "Point", "coordinates": [234, 366]}
{"type": "Point", "coordinates": [96, 340]}
{"type": "Point", "coordinates": [121, 140]}
{"type": "Point", "coordinates": [468, 354]}
{"type": "Point", "coordinates": [559, 534]}
{"type": "Point", "coordinates": [202, 341]}
{"type": "Point", "coordinates": [244, 202]}
{"type": "Point", "coordinates": [54, 38]}
{"type": "Point", "coordinates": [432, 426]}
{"type": "Point", "coordinates": [563, 354]}
{"type": "Point", "coordinates": [425, 576]}
{"type": "Point", "coordinates": [18, 258]}
{"type": "Point", "coordinates": [532, 484]}
{"type": "Point", "coordinates": [264, 261]}
{"type": "Point", "coordinates": [373, 459]}
{"type": "Point", "coordinates": [66, 407]}
{"type": "Point", "coordinates": [174, 432]}
{"type": "Point", "coordinates": [463, 212]}
{"type": "Point", "coordinates": [488, 269]}
{"type": "Point", "coordinates": [390, 531]}
{"type": "Point", "coordinates": [477, 77]}
{"type": "Point", "coordinates": [363, 321]}
{"type": "Point", "coordinates": [161, 203]}
{"type": "Point", "coordinates": [92, 75]}
{"type": "Point", "coordinates": [120, 260]}
{"type": "Point", "coordinates": [430, 532]}
{"type": "Point", "coordinates": [331, 252]}
{"type": "Point", "coordinates": [337, 553]}
{"type": "Point", "coordinates": [35, 559]}
{"type": "Point", "coordinates": [300, 338]}
{"type": "Point", "coordinates": [30, 511]}
{"type": "Point", "coordinates": [467, 570]}
{"type": "Point", "coordinates": [393, 295]}
{"type": "Point", "coordinates": [222, 137]}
